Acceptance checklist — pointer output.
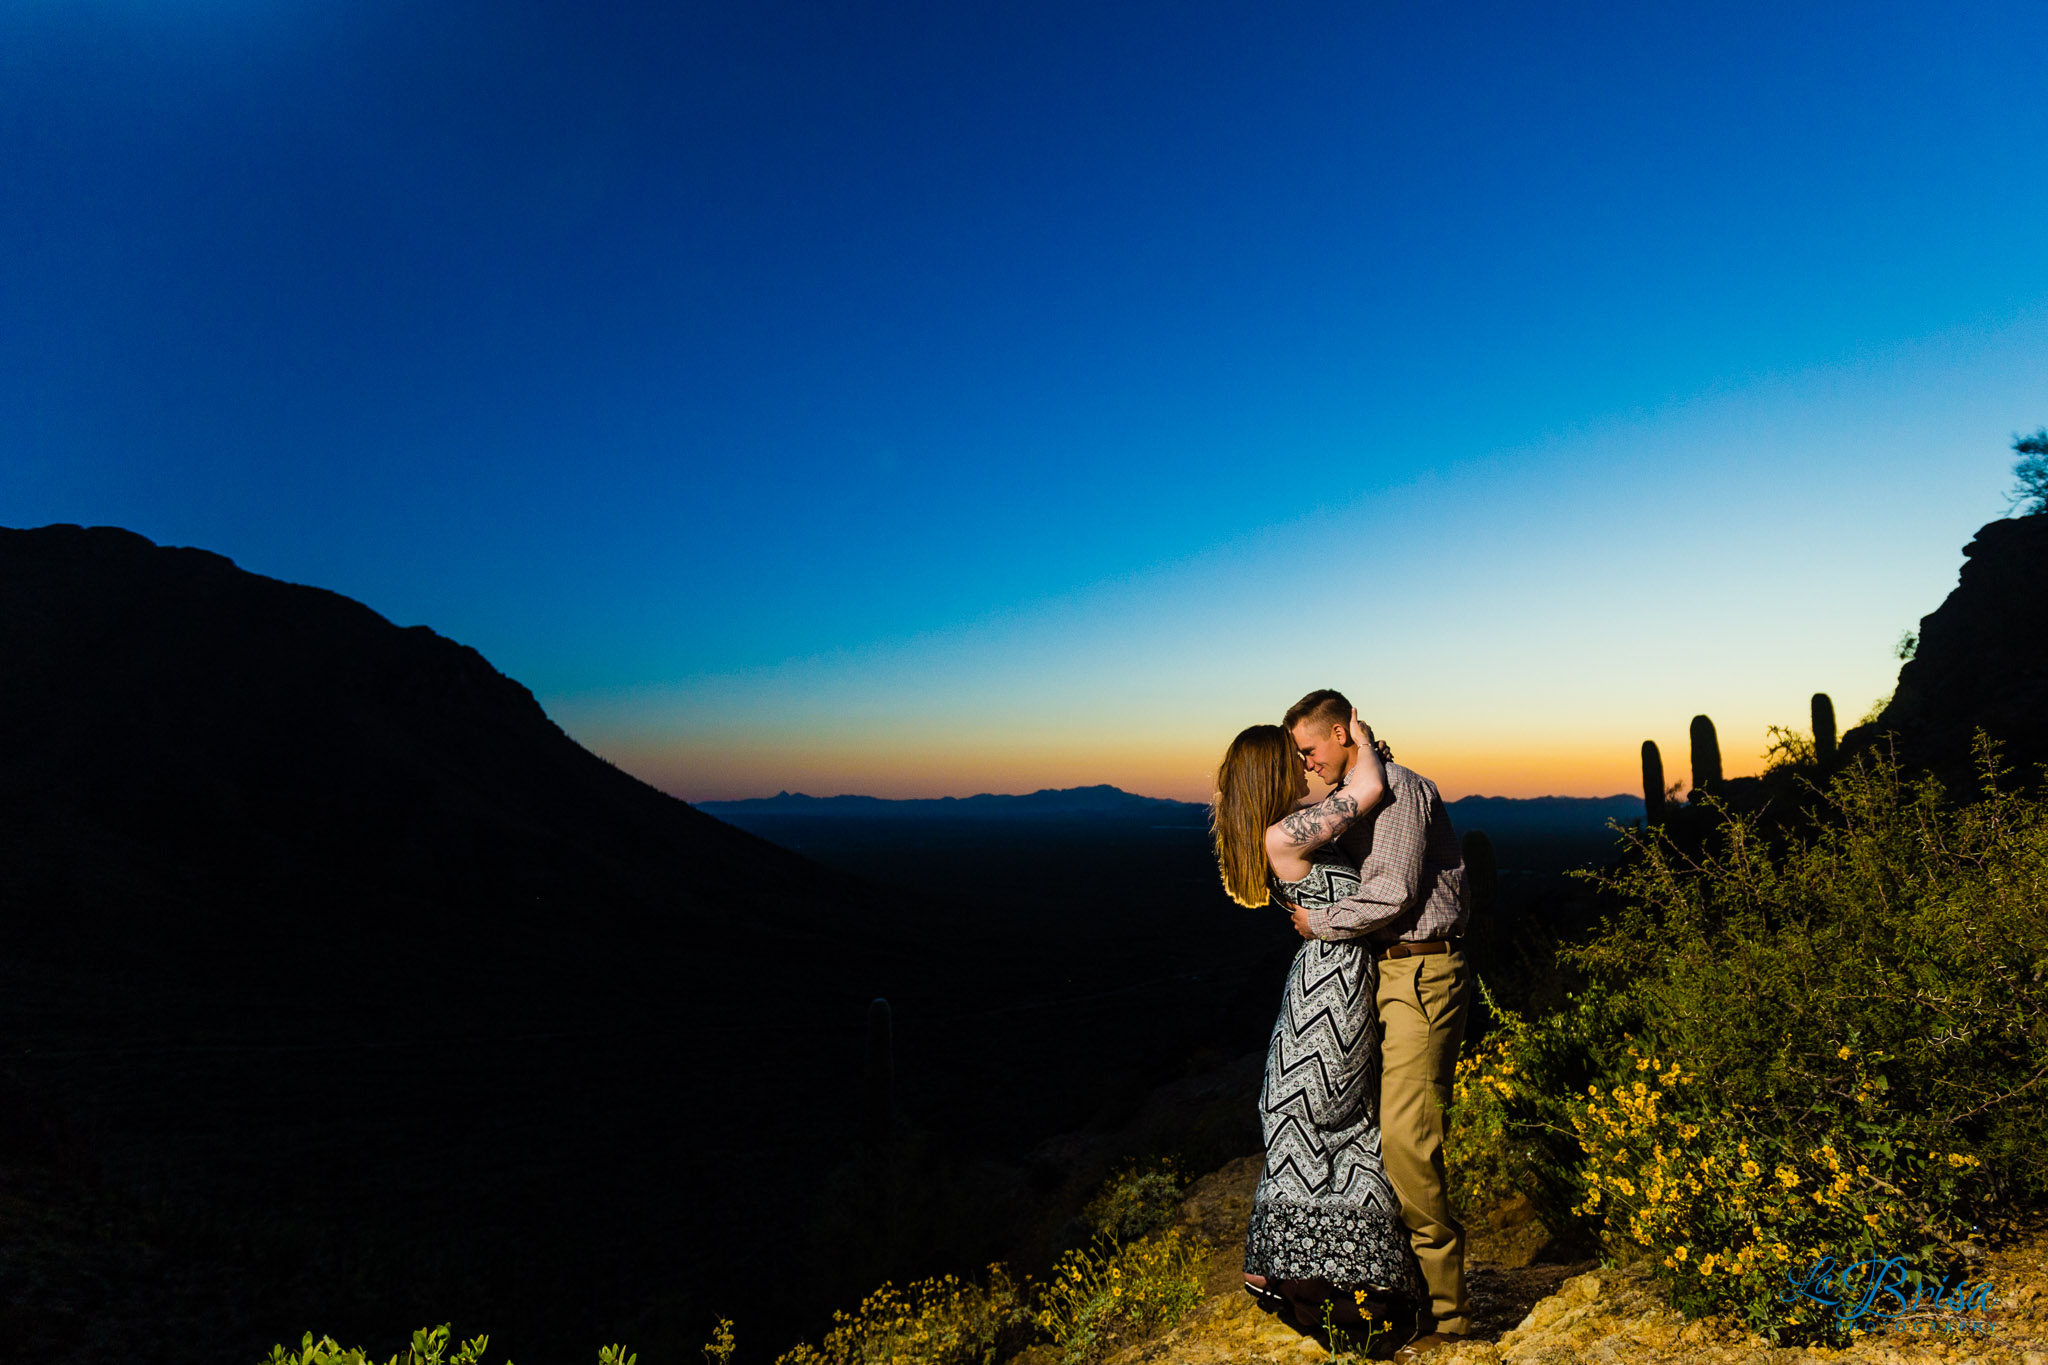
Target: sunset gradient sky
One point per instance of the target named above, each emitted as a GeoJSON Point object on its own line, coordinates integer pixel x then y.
{"type": "Point", "coordinates": [933, 398]}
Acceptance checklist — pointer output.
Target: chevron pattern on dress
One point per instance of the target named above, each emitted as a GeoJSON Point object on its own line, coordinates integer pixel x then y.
{"type": "Point", "coordinates": [1319, 1106]}
{"type": "Point", "coordinates": [1324, 1208]}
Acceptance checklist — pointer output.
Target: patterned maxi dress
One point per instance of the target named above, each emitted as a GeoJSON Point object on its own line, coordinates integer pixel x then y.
{"type": "Point", "coordinates": [1323, 1209]}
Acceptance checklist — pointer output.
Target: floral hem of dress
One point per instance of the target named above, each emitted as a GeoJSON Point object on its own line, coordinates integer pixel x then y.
{"type": "Point", "coordinates": [1348, 1246]}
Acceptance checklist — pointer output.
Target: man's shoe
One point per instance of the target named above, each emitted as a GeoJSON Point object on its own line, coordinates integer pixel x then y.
{"type": "Point", "coordinates": [1429, 1343]}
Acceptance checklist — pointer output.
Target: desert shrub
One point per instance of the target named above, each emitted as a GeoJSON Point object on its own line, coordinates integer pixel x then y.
{"type": "Point", "coordinates": [1903, 928]}
{"type": "Point", "coordinates": [1139, 1199]}
{"type": "Point", "coordinates": [430, 1346]}
{"type": "Point", "coordinates": [1509, 1130]}
{"type": "Point", "coordinates": [941, 1321]}
{"type": "Point", "coordinates": [1787, 748]}
{"type": "Point", "coordinates": [1827, 1042]}
{"type": "Point", "coordinates": [1863, 1004]}
{"type": "Point", "coordinates": [1108, 1295]}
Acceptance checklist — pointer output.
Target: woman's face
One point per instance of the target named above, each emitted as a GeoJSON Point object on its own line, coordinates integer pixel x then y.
{"type": "Point", "coordinates": [1296, 781]}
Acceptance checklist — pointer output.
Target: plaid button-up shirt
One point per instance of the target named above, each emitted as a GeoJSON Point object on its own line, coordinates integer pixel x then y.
{"type": "Point", "coordinates": [1411, 873]}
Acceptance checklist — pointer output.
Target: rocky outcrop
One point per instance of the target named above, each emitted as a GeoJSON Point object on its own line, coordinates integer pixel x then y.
{"type": "Point", "coordinates": [1981, 662]}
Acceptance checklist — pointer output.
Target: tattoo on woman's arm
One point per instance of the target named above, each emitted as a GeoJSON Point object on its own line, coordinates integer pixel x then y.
{"type": "Point", "coordinates": [1322, 823]}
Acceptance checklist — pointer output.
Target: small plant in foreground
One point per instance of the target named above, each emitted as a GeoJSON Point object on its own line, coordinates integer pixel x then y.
{"type": "Point", "coordinates": [429, 1347]}
{"type": "Point", "coordinates": [943, 1321]}
{"type": "Point", "coordinates": [1106, 1296]}
{"type": "Point", "coordinates": [1344, 1349]}
{"type": "Point", "coordinates": [718, 1350]}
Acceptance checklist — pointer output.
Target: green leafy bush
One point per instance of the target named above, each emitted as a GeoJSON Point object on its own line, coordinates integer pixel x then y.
{"type": "Point", "coordinates": [1139, 1199]}
{"type": "Point", "coordinates": [1729, 1203]}
{"type": "Point", "coordinates": [1510, 1124]}
{"type": "Point", "coordinates": [1832, 1041]}
{"type": "Point", "coordinates": [1902, 927]}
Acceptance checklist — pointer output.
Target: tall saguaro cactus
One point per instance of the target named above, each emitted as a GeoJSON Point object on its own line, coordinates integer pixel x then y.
{"type": "Point", "coordinates": [878, 1107]}
{"type": "Point", "coordinates": [1482, 873]}
{"type": "Point", "coordinates": [1823, 729]}
{"type": "Point", "coordinates": [1653, 784]}
{"type": "Point", "coordinates": [1706, 755]}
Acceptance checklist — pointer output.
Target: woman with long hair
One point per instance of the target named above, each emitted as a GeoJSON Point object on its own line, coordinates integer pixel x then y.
{"type": "Point", "coordinates": [1326, 1232]}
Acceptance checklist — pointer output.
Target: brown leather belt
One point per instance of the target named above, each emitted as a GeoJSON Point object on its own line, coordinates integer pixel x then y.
{"type": "Point", "coordinates": [1401, 950]}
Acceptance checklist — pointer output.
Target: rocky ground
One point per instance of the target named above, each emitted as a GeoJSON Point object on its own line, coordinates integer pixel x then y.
{"type": "Point", "coordinates": [1532, 1309]}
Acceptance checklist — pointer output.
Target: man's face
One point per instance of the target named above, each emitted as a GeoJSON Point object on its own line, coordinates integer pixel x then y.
{"type": "Point", "coordinates": [1321, 746]}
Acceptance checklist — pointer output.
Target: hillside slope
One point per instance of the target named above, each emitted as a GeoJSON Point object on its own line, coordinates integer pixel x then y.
{"type": "Point", "coordinates": [326, 954]}
{"type": "Point", "coordinates": [256, 757]}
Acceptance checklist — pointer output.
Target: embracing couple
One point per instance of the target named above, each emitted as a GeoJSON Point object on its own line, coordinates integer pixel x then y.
{"type": "Point", "coordinates": [1351, 1219]}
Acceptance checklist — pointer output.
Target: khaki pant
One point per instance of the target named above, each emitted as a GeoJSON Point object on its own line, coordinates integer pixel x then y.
{"type": "Point", "coordinates": [1423, 1004]}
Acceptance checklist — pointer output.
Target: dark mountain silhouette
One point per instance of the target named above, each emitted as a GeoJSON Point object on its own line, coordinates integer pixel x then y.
{"type": "Point", "coordinates": [1981, 662]}
{"type": "Point", "coordinates": [322, 943]}
{"type": "Point", "coordinates": [264, 761]}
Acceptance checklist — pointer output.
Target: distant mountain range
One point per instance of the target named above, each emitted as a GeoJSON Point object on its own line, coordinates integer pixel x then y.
{"type": "Point", "coordinates": [1495, 814]}
{"type": "Point", "coordinates": [1049, 803]}
{"type": "Point", "coordinates": [870, 835]}
{"type": "Point", "coordinates": [1536, 815]}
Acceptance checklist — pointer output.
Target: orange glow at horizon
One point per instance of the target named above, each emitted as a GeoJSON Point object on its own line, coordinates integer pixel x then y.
{"type": "Point", "coordinates": [702, 771]}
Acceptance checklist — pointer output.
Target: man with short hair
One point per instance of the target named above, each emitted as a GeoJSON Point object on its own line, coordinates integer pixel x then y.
{"type": "Point", "coordinates": [1412, 905]}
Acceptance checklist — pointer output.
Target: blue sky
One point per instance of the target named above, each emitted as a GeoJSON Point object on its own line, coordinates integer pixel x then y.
{"type": "Point", "coordinates": [939, 398]}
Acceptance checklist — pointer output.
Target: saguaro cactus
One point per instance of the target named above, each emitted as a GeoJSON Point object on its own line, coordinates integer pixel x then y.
{"type": "Point", "coordinates": [1482, 874]}
{"type": "Point", "coordinates": [1823, 729]}
{"type": "Point", "coordinates": [878, 1098]}
{"type": "Point", "coordinates": [1653, 784]}
{"type": "Point", "coordinates": [1706, 755]}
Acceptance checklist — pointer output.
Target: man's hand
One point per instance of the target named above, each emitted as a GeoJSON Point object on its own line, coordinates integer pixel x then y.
{"type": "Point", "coordinates": [1300, 918]}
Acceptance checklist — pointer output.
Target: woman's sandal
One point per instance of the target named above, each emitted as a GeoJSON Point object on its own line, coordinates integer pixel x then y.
{"type": "Point", "coordinates": [1267, 1298]}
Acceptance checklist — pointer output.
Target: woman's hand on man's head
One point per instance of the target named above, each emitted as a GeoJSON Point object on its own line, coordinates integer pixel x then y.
{"type": "Point", "coordinates": [1362, 735]}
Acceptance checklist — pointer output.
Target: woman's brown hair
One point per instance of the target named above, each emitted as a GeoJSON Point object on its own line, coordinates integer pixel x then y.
{"type": "Point", "coordinates": [1257, 783]}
